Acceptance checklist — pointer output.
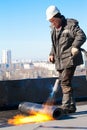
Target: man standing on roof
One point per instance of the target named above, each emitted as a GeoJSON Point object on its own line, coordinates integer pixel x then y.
{"type": "Point", "coordinates": [67, 38]}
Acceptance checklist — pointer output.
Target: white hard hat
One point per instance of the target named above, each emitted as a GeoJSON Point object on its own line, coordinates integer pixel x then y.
{"type": "Point", "coordinates": [51, 11]}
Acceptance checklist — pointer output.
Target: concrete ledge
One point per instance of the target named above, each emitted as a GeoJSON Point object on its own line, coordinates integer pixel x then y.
{"type": "Point", "coordinates": [12, 92]}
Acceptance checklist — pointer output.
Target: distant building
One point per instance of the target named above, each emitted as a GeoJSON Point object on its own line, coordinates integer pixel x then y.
{"type": "Point", "coordinates": [45, 65]}
{"type": "Point", "coordinates": [6, 57]}
{"type": "Point", "coordinates": [28, 65]}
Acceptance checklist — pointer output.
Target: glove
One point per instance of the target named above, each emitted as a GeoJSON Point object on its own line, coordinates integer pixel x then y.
{"type": "Point", "coordinates": [51, 58]}
{"type": "Point", "coordinates": [74, 51]}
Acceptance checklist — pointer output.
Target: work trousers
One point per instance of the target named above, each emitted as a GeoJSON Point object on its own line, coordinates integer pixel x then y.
{"type": "Point", "coordinates": [65, 77]}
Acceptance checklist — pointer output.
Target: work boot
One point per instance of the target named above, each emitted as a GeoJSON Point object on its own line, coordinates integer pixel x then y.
{"type": "Point", "coordinates": [68, 103]}
{"type": "Point", "coordinates": [68, 110]}
{"type": "Point", "coordinates": [65, 110]}
{"type": "Point", "coordinates": [72, 108]}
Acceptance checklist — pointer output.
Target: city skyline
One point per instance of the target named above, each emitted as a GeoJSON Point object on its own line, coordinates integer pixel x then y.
{"type": "Point", "coordinates": [6, 57]}
{"type": "Point", "coordinates": [25, 31]}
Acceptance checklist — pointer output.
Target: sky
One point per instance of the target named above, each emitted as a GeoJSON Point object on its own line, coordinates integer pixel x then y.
{"type": "Point", "coordinates": [25, 31]}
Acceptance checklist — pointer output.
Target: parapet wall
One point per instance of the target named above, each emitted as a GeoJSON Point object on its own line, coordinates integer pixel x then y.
{"type": "Point", "coordinates": [12, 92]}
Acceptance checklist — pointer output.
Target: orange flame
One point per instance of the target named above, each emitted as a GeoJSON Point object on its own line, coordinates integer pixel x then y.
{"type": "Point", "coordinates": [37, 117]}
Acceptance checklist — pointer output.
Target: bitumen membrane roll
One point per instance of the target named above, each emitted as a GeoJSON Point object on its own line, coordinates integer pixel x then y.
{"type": "Point", "coordinates": [29, 107]}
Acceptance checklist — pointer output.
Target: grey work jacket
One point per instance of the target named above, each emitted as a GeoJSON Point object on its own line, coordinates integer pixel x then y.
{"type": "Point", "coordinates": [70, 35]}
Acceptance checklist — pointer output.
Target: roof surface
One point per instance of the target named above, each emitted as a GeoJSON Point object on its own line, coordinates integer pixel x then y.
{"type": "Point", "coordinates": [75, 121]}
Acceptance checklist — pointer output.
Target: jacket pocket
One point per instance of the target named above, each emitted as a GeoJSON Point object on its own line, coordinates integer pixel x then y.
{"type": "Point", "coordinates": [66, 60]}
{"type": "Point", "coordinates": [66, 55]}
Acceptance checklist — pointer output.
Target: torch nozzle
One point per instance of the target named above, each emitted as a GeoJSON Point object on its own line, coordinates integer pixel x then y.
{"type": "Point", "coordinates": [52, 96]}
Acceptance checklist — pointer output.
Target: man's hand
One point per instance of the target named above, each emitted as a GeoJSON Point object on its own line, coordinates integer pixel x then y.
{"type": "Point", "coordinates": [51, 58]}
{"type": "Point", "coordinates": [74, 51]}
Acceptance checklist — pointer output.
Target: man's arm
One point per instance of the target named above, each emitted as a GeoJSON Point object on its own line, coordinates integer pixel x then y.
{"type": "Point", "coordinates": [79, 35]}
{"type": "Point", "coordinates": [79, 40]}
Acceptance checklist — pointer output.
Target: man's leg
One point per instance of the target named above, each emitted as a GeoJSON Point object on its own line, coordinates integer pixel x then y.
{"type": "Point", "coordinates": [68, 102]}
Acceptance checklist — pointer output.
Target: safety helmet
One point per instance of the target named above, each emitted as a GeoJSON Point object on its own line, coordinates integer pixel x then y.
{"type": "Point", "coordinates": [51, 11]}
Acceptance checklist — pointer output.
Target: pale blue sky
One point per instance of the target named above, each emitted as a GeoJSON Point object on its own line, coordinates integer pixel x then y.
{"type": "Point", "coordinates": [24, 29]}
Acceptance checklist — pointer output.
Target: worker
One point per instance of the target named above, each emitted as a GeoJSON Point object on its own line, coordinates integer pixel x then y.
{"type": "Point", "coordinates": [67, 38]}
